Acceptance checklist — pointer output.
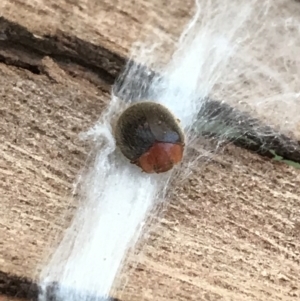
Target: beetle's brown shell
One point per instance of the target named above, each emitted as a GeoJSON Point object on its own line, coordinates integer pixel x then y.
{"type": "Point", "coordinates": [149, 135]}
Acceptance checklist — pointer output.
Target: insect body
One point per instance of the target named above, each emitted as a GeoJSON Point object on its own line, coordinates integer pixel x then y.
{"type": "Point", "coordinates": [149, 135]}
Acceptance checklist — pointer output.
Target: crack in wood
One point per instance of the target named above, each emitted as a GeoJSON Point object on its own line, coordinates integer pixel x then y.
{"type": "Point", "coordinates": [20, 48]}
{"type": "Point", "coordinates": [23, 288]}
{"type": "Point", "coordinates": [216, 119]}
{"type": "Point", "coordinates": [29, 49]}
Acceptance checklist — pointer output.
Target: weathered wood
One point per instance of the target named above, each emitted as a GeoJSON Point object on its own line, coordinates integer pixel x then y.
{"type": "Point", "coordinates": [21, 48]}
{"type": "Point", "coordinates": [231, 230]}
{"type": "Point", "coordinates": [113, 24]}
{"type": "Point", "coordinates": [10, 298]}
{"type": "Point", "coordinates": [229, 209]}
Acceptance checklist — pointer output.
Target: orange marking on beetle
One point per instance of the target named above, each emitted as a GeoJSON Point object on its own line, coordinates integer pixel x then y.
{"type": "Point", "coordinates": [161, 157]}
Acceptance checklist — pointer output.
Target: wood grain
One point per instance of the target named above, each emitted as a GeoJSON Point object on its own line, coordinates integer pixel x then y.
{"type": "Point", "coordinates": [230, 231]}
{"type": "Point", "coordinates": [102, 68]}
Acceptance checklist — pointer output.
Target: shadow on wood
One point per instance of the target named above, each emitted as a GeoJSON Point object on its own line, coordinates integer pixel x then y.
{"type": "Point", "coordinates": [26, 289]}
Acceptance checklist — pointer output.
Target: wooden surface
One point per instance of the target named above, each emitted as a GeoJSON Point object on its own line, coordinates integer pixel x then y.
{"type": "Point", "coordinates": [8, 298]}
{"type": "Point", "coordinates": [114, 24]}
{"type": "Point", "coordinates": [117, 24]}
{"type": "Point", "coordinates": [102, 68]}
{"type": "Point", "coordinates": [231, 231]}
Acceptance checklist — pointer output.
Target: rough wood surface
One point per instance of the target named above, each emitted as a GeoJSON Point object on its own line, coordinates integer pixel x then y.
{"type": "Point", "coordinates": [9, 298]}
{"type": "Point", "coordinates": [231, 231]}
{"type": "Point", "coordinates": [102, 67]}
{"type": "Point", "coordinates": [113, 24]}
{"type": "Point", "coordinates": [117, 24]}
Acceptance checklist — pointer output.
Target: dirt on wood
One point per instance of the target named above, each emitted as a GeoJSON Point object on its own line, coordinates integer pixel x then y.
{"type": "Point", "coordinates": [231, 230]}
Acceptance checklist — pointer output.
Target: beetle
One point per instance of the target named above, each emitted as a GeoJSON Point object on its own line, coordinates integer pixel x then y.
{"type": "Point", "coordinates": [150, 136]}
